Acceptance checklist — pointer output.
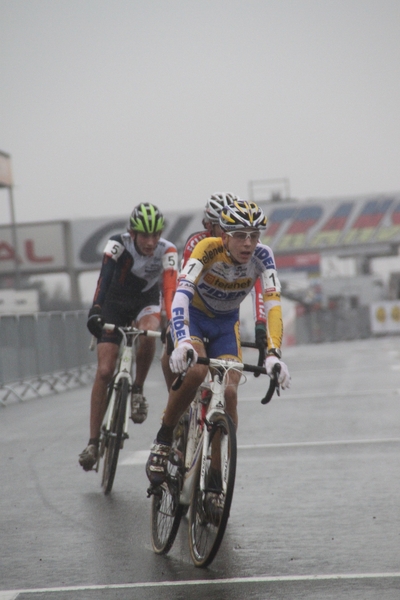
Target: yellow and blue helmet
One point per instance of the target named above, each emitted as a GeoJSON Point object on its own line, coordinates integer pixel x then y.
{"type": "Point", "coordinates": [242, 214]}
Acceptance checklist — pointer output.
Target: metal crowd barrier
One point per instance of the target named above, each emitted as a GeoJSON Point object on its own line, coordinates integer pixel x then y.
{"type": "Point", "coordinates": [324, 325]}
{"type": "Point", "coordinates": [44, 353]}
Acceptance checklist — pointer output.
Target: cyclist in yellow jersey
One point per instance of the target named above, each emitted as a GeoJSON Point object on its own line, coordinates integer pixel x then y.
{"type": "Point", "coordinates": [215, 204]}
{"type": "Point", "coordinates": [218, 276]}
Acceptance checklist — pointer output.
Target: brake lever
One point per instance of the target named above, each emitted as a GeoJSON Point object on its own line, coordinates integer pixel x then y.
{"type": "Point", "coordinates": [179, 380]}
{"type": "Point", "coordinates": [273, 385]}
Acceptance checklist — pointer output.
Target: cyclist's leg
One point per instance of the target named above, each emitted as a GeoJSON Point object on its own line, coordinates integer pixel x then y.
{"type": "Point", "coordinates": [233, 379]}
{"type": "Point", "coordinates": [146, 314]}
{"type": "Point", "coordinates": [225, 344]}
{"type": "Point", "coordinates": [178, 401]}
{"type": "Point", "coordinates": [107, 354]}
{"type": "Point", "coordinates": [147, 319]}
{"type": "Point", "coordinates": [106, 359]}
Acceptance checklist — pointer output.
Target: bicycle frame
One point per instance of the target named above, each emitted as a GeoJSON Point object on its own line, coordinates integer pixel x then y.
{"type": "Point", "coordinates": [125, 361]}
{"type": "Point", "coordinates": [199, 428]}
{"type": "Point", "coordinates": [201, 471]}
{"type": "Point", "coordinates": [123, 371]}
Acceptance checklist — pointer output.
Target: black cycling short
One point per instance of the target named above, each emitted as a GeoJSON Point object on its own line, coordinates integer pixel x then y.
{"type": "Point", "coordinates": [124, 313]}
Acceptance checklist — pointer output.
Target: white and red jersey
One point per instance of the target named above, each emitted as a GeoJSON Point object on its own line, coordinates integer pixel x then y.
{"type": "Point", "coordinates": [191, 243]}
{"type": "Point", "coordinates": [125, 272]}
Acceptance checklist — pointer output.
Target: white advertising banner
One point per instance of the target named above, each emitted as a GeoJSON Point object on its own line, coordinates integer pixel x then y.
{"type": "Point", "coordinates": [385, 317]}
{"type": "Point", "coordinates": [41, 248]}
{"type": "Point", "coordinates": [15, 302]}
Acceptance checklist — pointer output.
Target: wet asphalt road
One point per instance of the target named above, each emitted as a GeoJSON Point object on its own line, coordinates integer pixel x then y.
{"type": "Point", "coordinates": [315, 514]}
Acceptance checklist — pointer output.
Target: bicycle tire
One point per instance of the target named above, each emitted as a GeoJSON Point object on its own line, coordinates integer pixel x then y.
{"type": "Point", "coordinates": [205, 534]}
{"type": "Point", "coordinates": [114, 437]}
{"type": "Point", "coordinates": [103, 433]}
{"type": "Point", "coordinates": [166, 510]}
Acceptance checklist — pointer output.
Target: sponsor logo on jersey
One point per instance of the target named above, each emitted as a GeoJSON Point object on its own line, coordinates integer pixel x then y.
{"type": "Point", "coordinates": [153, 268]}
{"type": "Point", "coordinates": [195, 240]}
{"type": "Point", "coordinates": [263, 254]}
{"type": "Point", "coordinates": [219, 294]}
{"type": "Point", "coordinates": [178, 322]}
{"type": "Point", "coordinates": [183, 284]}
{"type": "Point", "coordinates": [209, 255]}
{"type": "Point", "coordinates": [238, 284]}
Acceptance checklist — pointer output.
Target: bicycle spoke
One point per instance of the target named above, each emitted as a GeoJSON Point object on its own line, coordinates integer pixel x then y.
{"type": "Point", "coordinates": [166, 511]}
{"type": "Point", "coordinates": [209, 511]}
{"type": "Point", "coordinates": [114, 438]}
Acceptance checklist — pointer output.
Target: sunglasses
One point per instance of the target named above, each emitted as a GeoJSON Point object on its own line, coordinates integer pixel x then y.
{"type": "Point", "coordinates": [244, 235]}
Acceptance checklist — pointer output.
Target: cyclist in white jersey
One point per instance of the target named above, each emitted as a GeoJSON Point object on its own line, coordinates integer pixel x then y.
{"type": "Point", "coordinates": [128, 292]}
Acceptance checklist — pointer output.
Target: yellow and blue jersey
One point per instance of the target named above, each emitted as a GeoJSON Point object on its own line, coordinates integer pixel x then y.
{"type": "Point", "coordinates": [215, 285]}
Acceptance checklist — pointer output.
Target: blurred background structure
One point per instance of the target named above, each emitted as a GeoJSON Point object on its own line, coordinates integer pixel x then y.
{"type": "Point", "coordinates": [337, 260]}
{"type": "Point", "coordinates": [292, 104]}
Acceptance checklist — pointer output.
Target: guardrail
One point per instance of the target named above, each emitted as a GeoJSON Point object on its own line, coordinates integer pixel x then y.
{"type": "Point", "coordinates": [332, 325]}
{"type": "Point", "coordinates": [44, 353]}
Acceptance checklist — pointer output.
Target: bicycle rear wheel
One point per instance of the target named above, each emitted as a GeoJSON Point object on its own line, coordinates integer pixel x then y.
{"type": "Point", "coordinates": [166, 511]}
{"type": "Point", "coordinates": [206, 527]}
{"type": "Point", "coordinates": [114, 438]}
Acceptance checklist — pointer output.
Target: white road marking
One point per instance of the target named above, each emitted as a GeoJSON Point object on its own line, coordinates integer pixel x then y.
{"type": "Point", "coordinates": [134, 458]}
{"type": "Point", "coordinates": [327, 443]}
{"type": "Point", "coordinates": [140, 456]}
{"type": "Point", "coordinates": [12, 594]}
{"type": "Point", "coordinates": [287, 395]}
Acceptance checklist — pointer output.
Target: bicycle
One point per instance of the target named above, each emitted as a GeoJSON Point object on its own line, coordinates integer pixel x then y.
{"type": "Point", "coordinates": [204, 436]}
{"type": "Point", "coordinates": [114, 429]}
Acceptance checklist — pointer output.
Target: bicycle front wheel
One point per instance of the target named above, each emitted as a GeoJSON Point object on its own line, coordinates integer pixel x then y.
{"type": "Point", "coordinates": [209, 508]}
{"type": "Point", "coordinates": [114, 437]}
{"type": "Point", "coordinates": [166, 510]}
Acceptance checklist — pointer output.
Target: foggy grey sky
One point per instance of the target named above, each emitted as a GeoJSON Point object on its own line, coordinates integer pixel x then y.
{"type": "Point", "coordinates": [104, 104]}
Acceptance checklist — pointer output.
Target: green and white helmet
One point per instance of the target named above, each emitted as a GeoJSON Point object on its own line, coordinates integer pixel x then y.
{"type": "Point", "coordinates": [146, 218]}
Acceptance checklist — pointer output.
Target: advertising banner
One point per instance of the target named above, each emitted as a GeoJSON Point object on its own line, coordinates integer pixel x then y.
{"type": "Point", "coordinates": [15, 302]}
{"type": "Point", "coordinates": [385, 317]}
{"type": "Point", "coordinates": [300, 234]}
{"type": "Point", "coordinates": [41, 248]}
{"type": "Point", "coordinates": [342, 226]}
